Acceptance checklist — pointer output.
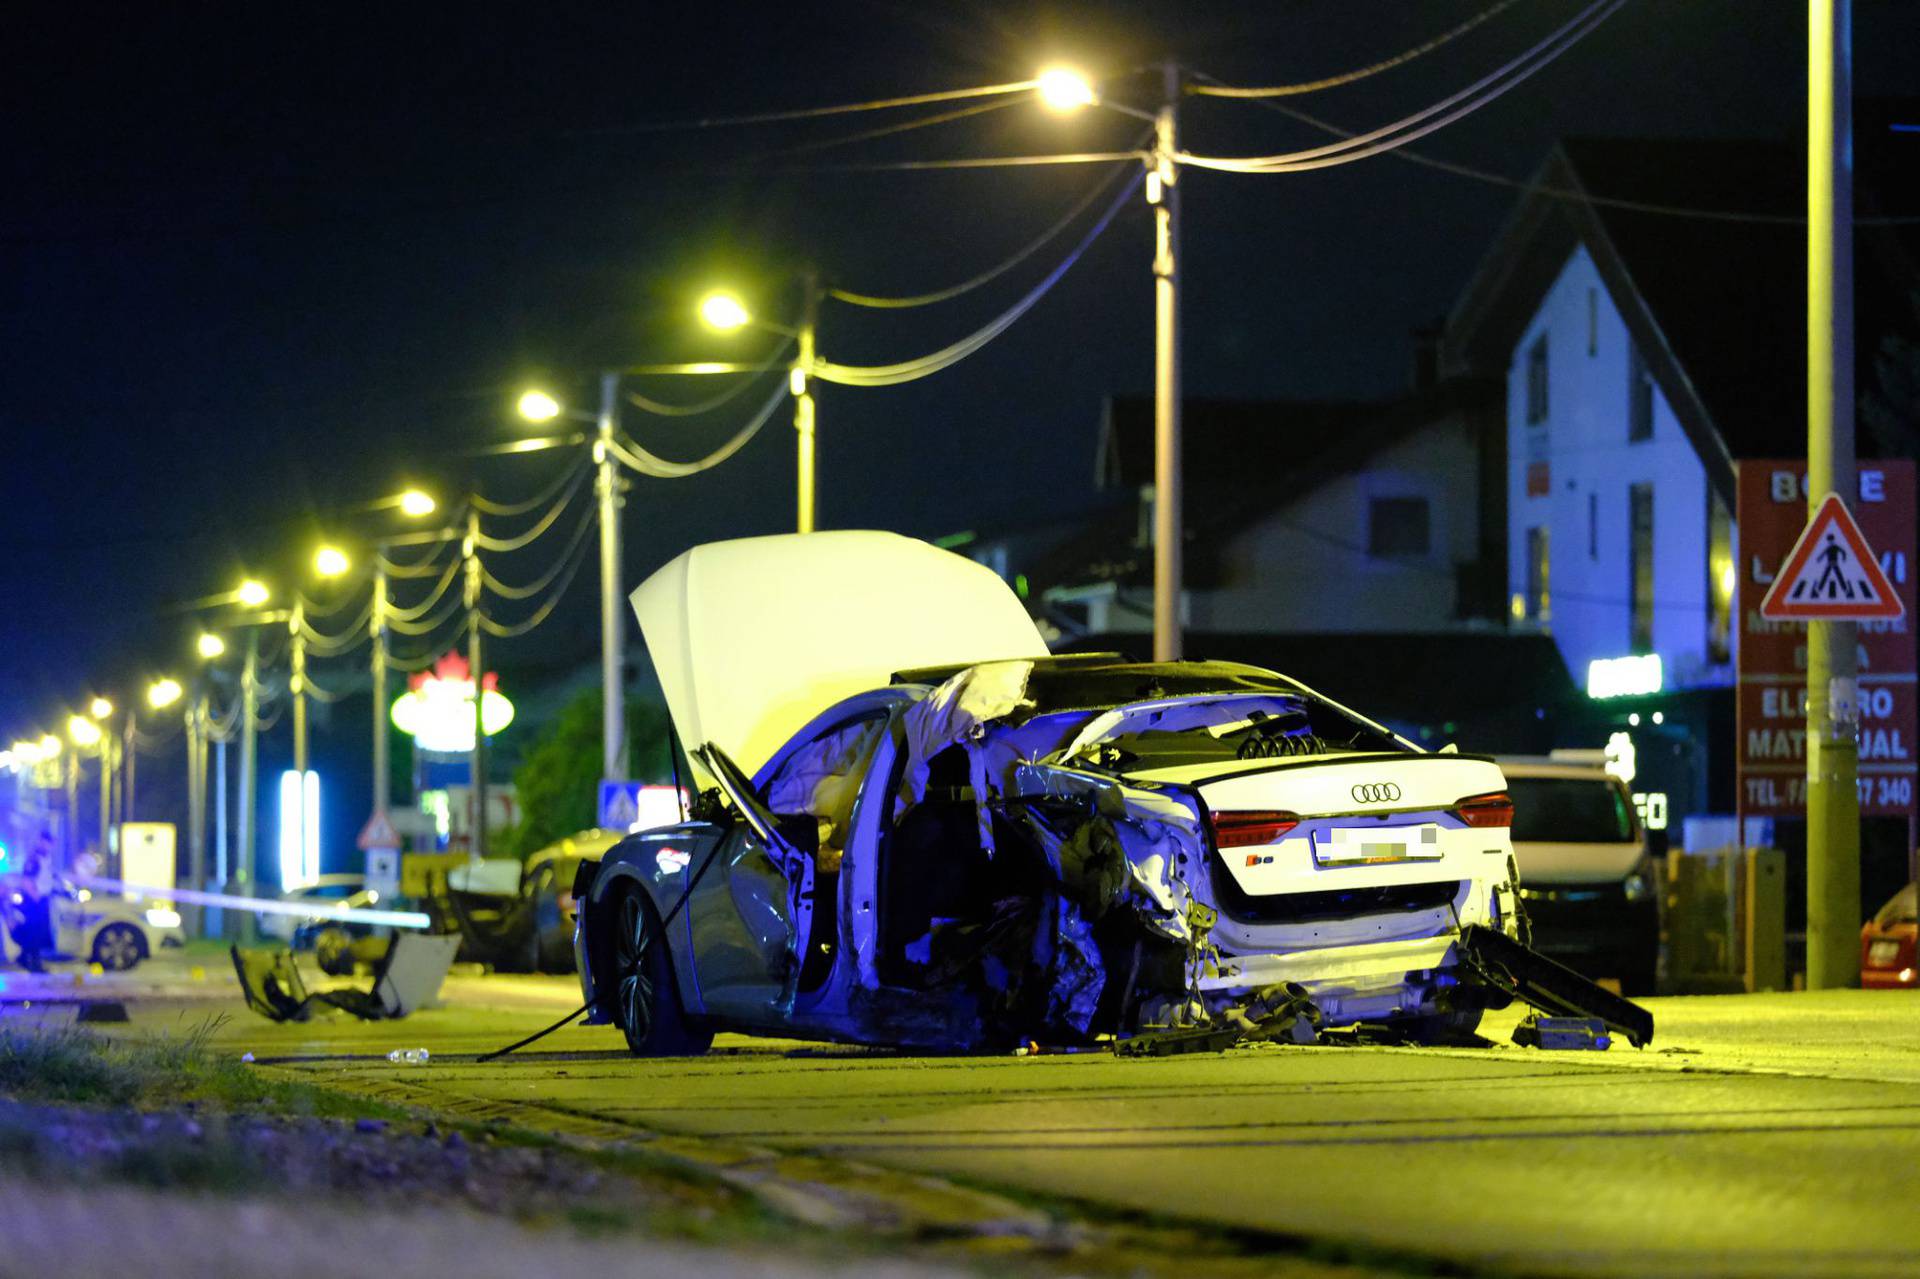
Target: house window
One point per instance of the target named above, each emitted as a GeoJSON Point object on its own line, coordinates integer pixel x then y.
{"type": "Point", "coordinates": [1537, 381]}
{"type": "Point", "coordinates": [1593, 526]}
{"type": "Point", "coordinates": [1398, 527]}
{"type": "Point", "coordinates": [1640, 565]}
{"type": "Point", "coordinates": [1539, 600]}
{"type": "Point", "coordinates": [1593, 322]}
{"type": "Point", "coordinates": [1721, 579]}
{"type": "Point", "coordinates": [1639, 398]}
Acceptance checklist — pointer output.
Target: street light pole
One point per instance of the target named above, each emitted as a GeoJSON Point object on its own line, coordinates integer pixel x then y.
{"type": "Point", "coordinates": [1833, 715]}
{"type": "Point", "coordinates": [613, 699]}
{"type": "Point", "coordinates": [801, 383]}
{"type": "Point", "coordinates": [1164, 195]}
{"type": "Point", "coordinates": [297, 686]}
{"type": "Point", "coordinates": [377, 635]}
{"type": "Point", "coordinates": [249, 711]}
{"type": "Point", "coordinates": [477, 839]}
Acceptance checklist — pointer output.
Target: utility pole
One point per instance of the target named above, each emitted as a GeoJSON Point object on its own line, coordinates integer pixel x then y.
{"type": "Point", "coordinates": [129, 760]}
{"type": "Point", "coordinates": [107, 860]}
{"type": "Point", "coordinates": [196, 716]}
{"type": "Point", "coordinates": [613, 699]}
{"type": "Point", "coordinates": [1833, 711]}
{"type": "Point", "coordinates": [476, 665]}
{"type": "Point", "coordinates": [242, 866]}
{"type": "Point", "coordinates": [1163, 194]}
{"type": "Point", "coordinates": [800, 381]}
{"type": "Point", "coordinates": [377, 635]}
{"type": "Point", "coordinates": [221, 847]}
{"type": "Point", "coordinates": [72, 840]}
{"type": "Point", "coordinates": [297, 687]}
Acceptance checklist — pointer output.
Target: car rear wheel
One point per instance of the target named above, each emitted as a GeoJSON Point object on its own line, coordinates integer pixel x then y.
{"type": "Point", "coordinates": [118, 947]}
{"type": "Point", "coordinates": [646, 1001]}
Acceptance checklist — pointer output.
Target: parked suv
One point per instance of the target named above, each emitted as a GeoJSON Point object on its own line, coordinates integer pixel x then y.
{"type": "Point", "coordinates": [1589, 887]}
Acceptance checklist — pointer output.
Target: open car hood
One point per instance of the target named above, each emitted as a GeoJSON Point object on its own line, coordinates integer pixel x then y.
{"type": "Point", "coordinates": [753, 638]}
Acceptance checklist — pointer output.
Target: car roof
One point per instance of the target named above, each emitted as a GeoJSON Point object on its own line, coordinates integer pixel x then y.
{"type": "Point", "coordinates": [1525, 766]}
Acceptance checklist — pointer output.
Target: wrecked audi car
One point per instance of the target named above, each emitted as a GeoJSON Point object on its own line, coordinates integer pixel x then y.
{"type": "Point", "coordinates": [917, 827]}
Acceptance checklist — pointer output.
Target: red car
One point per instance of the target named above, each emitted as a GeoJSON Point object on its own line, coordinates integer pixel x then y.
{"type": "Point", "coordinates": [1887, 960]}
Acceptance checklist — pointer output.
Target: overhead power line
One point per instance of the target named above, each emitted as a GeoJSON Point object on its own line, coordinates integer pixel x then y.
{"type": "Point", "coordinates": [1447, 111]}
{"type": "Point", "coordinates": [993, 273]}
{"type": "Point", "coordinates": [811, 113]}
{"type": "Point", "coordinates": [948, 356]}
{"type": "Point", "coordinates": [541, 525]}
{"type": "Point", "coordinates": [575, 559]}
{"type": "Point", "coordinates": [1527, 187]}
{"type": "Point", "coordinates": [1216, 90]}
{"type": "Point", "coordinates": [629, 453]}
{"type": "Point", "coordinates": [502, 589]}
{"type": "Point", "coordinates": [506, 509]}
{"type": "Point", "coordinates": [415, 612]}
{"type": "Point", "coordinates": [661, 408]}
{"type": "Point", "coordinates": [967, 162]}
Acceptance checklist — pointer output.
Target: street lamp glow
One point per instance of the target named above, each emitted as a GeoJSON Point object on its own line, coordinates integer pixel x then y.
{"type": "Point", "coordinates": [100, 708]}
{"type": "Point", "coordinates": [330, 561]}
{"type": "Point", "coordinates": [83, 731]}
{"type": "Point", "coordinates": [252, 593]}
{"type": "Point", "coordinates": [49, 746]}
{"type": "Point", "coordinates": [538, 406]}
{"type": "Point", "coordinates": [163, 693]}
{"type": "Point", "coordinates": [416, 503]}
{"type": "Point", "coordinates": [724, 312]}
{"type": "Point", "coordinates": [1063, 89]}
{"type": "Point", "coordinates": [209, 645]}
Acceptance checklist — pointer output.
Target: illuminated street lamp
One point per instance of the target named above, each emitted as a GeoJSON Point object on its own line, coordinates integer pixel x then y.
{"type": "Point", "coordinates": [83, 732]}
{"type": "Point", "coordinates": [163, 693]}
{"type": "Point", "coordinates": [252, 593]}
{"type": "Point", "coordinates": [1064, 90]}
{"type": "Point", "coordinates": [416, 504]}
{"type": "Point", "coordinates": [724, 312]}
{"type": "Point", "coordinates": [209, 645]}
{"type": "Point", "coordinates": [330, 561]}
{"type": "Point", "coordinates": [538, 406]}
{"type": "Point", "coordinates": [100, 708]}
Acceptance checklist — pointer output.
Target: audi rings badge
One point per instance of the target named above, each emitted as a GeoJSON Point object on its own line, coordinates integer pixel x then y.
{"type": "Point", "coordinates": [1375, 793]}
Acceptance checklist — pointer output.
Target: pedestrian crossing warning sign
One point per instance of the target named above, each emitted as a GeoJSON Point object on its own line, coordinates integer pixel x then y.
{"type": "Point", "coordinates": [1831, 574]}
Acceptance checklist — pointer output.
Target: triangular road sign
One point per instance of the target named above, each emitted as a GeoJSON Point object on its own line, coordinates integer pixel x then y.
{"type": "Point", "coordinates": [378, 833]}
{"type": "Point", "coordinates": [1831, 574]}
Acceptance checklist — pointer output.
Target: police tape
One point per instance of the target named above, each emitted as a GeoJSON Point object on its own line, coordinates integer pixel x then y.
{"type": "Point", "coordinates": [303, 910]}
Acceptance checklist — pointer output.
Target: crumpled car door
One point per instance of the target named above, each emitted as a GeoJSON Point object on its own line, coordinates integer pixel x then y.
{"type": "Point", "coordinates": [764, 901]}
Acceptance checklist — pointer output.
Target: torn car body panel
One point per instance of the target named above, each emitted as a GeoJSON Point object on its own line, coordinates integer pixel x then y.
{"type": "Point", "coordinates": [1028, 847]}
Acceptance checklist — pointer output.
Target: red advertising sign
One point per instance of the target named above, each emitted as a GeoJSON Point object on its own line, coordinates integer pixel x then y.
{"type": "Point", "coordinates": [1771, 518]}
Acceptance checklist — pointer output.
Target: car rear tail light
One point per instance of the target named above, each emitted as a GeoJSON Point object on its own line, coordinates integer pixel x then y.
{"type": "Point", "coordinates": [1492, 809]}
{"type": "Point", "coordinates": [1238, 829]}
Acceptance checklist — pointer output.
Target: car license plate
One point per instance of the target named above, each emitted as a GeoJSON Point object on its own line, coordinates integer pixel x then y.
{"type": "Point", "coordinates": [1884, 951]}
{"type": "Point", "coordinates": [1374, 845]}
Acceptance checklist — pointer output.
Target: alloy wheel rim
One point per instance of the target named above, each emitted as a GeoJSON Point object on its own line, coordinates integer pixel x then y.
{"type": "Point", "coordinates": [636, 988]}
{"type": "Point", "coordinates": [116, 949]}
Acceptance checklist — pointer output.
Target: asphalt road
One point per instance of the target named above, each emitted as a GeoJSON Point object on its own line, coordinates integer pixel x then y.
{"type": "Point", "coordinates": [1761, 1135]}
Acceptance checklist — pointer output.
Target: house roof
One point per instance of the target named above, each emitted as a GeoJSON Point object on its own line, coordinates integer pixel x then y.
{"type": "Point", "coordinates": [1716, 305]}
{"type": "Point", "coordinates": [1241, 461]}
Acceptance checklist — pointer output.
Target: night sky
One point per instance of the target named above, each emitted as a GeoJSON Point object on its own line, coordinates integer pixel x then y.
{"type": "Point", "coordinates": [265, 262]}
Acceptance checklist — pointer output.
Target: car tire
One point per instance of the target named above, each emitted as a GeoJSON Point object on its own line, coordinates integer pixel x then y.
{"type": "Point", "coordinates": [646, 1000]}
{"type": "Point", "coordinates": [1460, 1026]}
{"type": "Point", "coordinates": [118, 947]}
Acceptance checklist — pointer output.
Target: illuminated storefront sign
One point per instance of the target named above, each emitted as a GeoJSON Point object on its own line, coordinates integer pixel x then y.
{"type": "Point", "coordinates": [437, 708]}
{"type": "Point", "coordinates": [1636, 676]}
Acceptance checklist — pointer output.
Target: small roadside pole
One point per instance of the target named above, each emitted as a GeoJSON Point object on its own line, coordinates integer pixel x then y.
{"type": "Point", "coordinates": [1833, 715]}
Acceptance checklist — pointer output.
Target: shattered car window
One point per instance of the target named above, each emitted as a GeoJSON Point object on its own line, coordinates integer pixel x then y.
{"type": "Point", "coordinates": [1212, 730]}
{"type": "Point", "coordinates": [821, 779]}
